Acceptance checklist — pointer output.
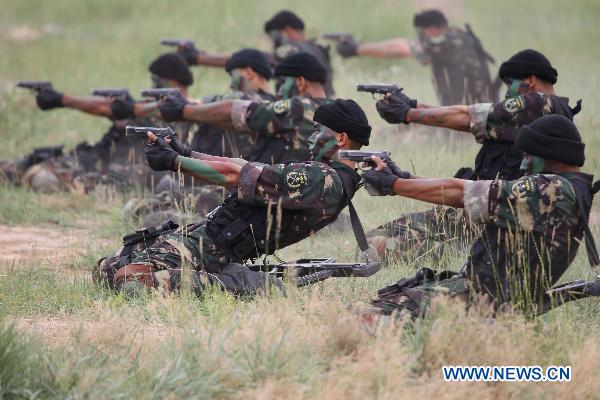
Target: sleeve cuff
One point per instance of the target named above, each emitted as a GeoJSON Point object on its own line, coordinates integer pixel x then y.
{"type": "Point", "coordinates": [239, 113]}
{"type": "Point", "coordinates": [248, 179]}
{"type": "Point", "coordinates": [476, 201]}
{"type": "Point", "coordinates": [479, 114]}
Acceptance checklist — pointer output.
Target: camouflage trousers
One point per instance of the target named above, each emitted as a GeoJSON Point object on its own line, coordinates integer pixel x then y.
{"type": "Point", "coordinates": [412, 302]}
{"type": "Point", "coordinates": [414, 236]}
{"type": "Point", "coordinates": [187, 253]}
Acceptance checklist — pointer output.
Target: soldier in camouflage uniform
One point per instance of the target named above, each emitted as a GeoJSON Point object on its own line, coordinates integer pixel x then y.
{"type": "Point", "coordinates": [115, 159]}
{"type": "Point", "coordinates": [286, 31]}
{"type": "Point", "coordinates": [274, 206]}
{"type": "Point", "coordinates": [530, 95]}
{"type": "Point", "coordinates": [458, 61]}
{"type": "Point", "coordinates": [529, 228]}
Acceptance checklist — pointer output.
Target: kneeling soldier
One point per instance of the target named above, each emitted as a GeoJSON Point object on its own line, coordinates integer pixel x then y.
{"type": "Point", "coordinates": [275, 206]}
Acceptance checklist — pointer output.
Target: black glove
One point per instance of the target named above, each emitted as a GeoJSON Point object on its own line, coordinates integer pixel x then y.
{"type": "Point", "coordinates": [395, 106]}
{"type": "Point", "coordinates": [379, 183]}
{"type": "Point", "coordinates": [395, 169]}
{"type": "Point", "coordinates": [171, 107]}
{"type": "Point", "coordinates": [48, 98]}
{"type": "Point", "coordinates": [181, 148]}
{"type": "Point", "coordinates": [122, 107]}
{"type": "Point", "coordinates": [160, 155]}
{"type": "Point", "coordinates": [347, 46]}
{"type": "Point", "coordinates": [190, 53]}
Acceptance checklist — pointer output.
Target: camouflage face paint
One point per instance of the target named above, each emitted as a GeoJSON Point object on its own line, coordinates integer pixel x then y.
{"type": "Point", "coordinates": [159, 82]}
{"type": "Point", "coordinates": [288, 88]}
{"type": "Point", "coordinates": [277, 37]}
{"type": "Point", "coordinates": [515, 87]}
{"type": "Point", "coordinates": [237, 81]}
{"type": "Point", "coordinates": [201, 170]}
{"type": "Point", "coordinates": [323, 143]}
{"type": "Point", "coordinates": [532, 165]}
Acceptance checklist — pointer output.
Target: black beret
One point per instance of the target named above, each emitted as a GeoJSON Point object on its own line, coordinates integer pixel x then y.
{"type": "Point", "coordinates": [302, 64]}
{"type": "Point", "coordinates": [282, 19]}
{"type": "Point", "coordinates": [528, 62]}
{"type": "Point", "coordinates": [345, 116]}
{"type": "Point", "coordinates": [252, 58]}
{"type": "Point", "coordinates": [429, 18]}
{"type": "Point", "coordinates": [553, 137]}
{"type": "Point", "coordinates": [172, 66]}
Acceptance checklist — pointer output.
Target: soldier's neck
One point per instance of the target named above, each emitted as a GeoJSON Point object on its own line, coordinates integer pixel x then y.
{"type": "Point", "coordinates": [315, 91]}
{"type": "Point", "coordinates": [348, 163]}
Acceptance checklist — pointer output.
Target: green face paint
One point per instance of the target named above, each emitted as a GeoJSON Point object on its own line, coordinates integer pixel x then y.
{"type": "Point", "coordinates": [201, 170]}
{"type": "Point", "coordinates": [237, 81]}
{"type": "Point", "coordinates": [159, 82]}
{"type": "Point", "coordinates": [277, 38]}
{"type": "Point", "coordinates": [288, 88]}
{"type": "Point", "coordinates": [323, 144]}
{"type": "Point", "coordinates": [515, 87]}
{"type": "Point", "coordinates": [532, 165]}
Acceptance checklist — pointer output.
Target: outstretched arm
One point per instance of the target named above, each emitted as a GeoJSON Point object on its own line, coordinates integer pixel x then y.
{"type": "Point", "coordinates": [391, 48]}
{"type": "Point", "coordinates": [452, 117]}
{"type": "Point", "coordinates": [212, 59]}
{"type": "Point", "coordinates": [95, 105]}
{"type": "Point", "coordinates": [217, 114]}
{"type": "Point", "coordinates": [448, 192]}
{"type": "Point", "coordinates": [222, 173]}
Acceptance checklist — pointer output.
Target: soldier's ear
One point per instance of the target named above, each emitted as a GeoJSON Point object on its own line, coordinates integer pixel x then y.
{"type": "Point", "coordinates": [343, 139]}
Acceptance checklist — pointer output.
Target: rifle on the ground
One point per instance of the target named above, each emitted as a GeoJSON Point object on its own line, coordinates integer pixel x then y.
{"type": "Point", "coordinates": [142, 131]}
{"type": "Point", "coordinates": [159, 93]}
{"type": "Point", "coordinates": [570, 291]}
{"type": "Point", "coordinates": [120, 92]}
{"type": "Point", "coordinates": [335, 36]}
{"type": "Point", "coordinates": [35, 85]}
{"type": "Point", "coordinates": [308, 271]}
{"type": "Point", "coordinates": [176, 42]}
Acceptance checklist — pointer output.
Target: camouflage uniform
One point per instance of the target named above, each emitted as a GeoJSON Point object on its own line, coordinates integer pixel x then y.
{"type": "Point", "coordinates": [320, 51]}
{"type": "Point", "coordinates": [275, 206]}
{"type": "Point", "coordinates": [495, 126]}
{"type": "Point", "coordinates": [531, 230]}
{"type": "Point", "coordinates": [459, 65]}
{"type": "Point", "coordinates": [283, 127]}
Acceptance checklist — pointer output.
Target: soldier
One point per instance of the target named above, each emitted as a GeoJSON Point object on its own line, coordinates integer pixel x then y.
{"type": "Point", "coordinates": [530, 231]}
{"type": "Point", "coordinates": [283, 127]}
{"type": "Point", "coordinates": [458, 61]}
{"type": "Point", "coordinates": [274, 207]}
{"type": "Point", "coordinates": [115, 159]}
{"type": "Point", "coordinates": [286, 31]}
{"type": "Point", "coordinates": [529, 77]}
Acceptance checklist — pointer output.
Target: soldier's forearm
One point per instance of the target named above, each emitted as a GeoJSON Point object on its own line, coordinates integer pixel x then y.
{"type": "Point", "coordinates": [222, 173]}
{"type": "Point", "coordinates": [212, 59]}
{"type": "Point", "coordinates": [94, 105]}
{"type": "Point", "coordinates": [207, 157]}
{"type": "Point", "coordinates": [146, 109]}
{"type": "Point", "coordinates": [385, 49]}
{"type": "Point", "coordinates": [451, 117]}
{"type": "Point", "coordinates": [216, 114]}
{"type": "Point", "coordinates": [449, 192]}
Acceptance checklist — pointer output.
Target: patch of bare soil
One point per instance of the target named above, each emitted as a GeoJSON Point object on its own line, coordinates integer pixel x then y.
{"type": "Point", "coordinates": [594, 219]}
{"type": "Point", "coordinates": [23, 242]}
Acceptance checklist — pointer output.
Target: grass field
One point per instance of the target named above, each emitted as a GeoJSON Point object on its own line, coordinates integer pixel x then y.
{"type": "Point", "coordinates": [62, 337]}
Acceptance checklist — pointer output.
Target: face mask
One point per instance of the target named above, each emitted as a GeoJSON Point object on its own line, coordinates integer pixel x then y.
{"type": "Point", "coordinates": [532, 165]}
{"type": "Point", "coordinates": [288, 88]}
{"type": "Point", "coordinates": [323, 144]}
{"type": "Point", "coordinates": [277, 38]}
{"type": "Point", "coordinates": [515, 87]}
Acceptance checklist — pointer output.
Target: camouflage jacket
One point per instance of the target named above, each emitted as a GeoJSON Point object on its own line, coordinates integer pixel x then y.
{"type": "Point", "coordinates": [459, 65]}
{"type": "Point", "coordinates": [496, 125]}
{"type": "Point", "coordinates": [279, 204]}
{"type": "Point", "coordinates": [321, 52]}
{"type": "Point", "coordinates": [530, 234]}
{"type": "Point", "coordinates": [283, 127]}
{"type": "Point", "coordinates": [219, 142]}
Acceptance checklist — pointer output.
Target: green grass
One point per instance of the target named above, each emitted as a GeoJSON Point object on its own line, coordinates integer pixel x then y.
{"type": "Point", "coordinates": [90, 343]}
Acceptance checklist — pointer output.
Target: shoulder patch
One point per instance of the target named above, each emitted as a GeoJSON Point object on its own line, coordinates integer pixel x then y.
{"type": "Point", "coordinates": [285, 50]}
{"type": "Point", "coordinates": [282, 106]}
{"type": "Point", "coordinates": [514, 104]}
{"type": "Point", "coordinates": [524, 187]}
{"type": "Point", "coordinates": [296, 179]}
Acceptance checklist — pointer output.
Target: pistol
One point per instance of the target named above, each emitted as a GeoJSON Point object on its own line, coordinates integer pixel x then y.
{"type": "Point", "coordinates": [35, 85]}
{"type": "Point", "coordinates": [363, 156]}
{"type": "Point", "coordinates": [335, 36]}
{"type": "Point", "coordinates": [176, 42]}
{"type": "Point", "coordinates": [121, 92]}
{"type": "Point", "coordinates": [142, 131]}
{"type": "Point", "coordinates": [159, 93]}
{"type": "Point", "coordinates": [376, 88]}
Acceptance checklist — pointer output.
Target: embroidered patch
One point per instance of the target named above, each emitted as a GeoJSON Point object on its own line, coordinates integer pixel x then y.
{"type": "Point", "coordinates": [285, 50]}
{"type": "Point", "coordinates": [296, 179]}
{"type": "Point", "coordinates": [524, 187]}
{"type": "Point", "coordinates": [281, 106]}
{"type": "Point", "coordinates": [514, 104]}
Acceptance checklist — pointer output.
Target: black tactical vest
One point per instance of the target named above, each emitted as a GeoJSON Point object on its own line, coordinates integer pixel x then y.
{"type": "Point", "coordinates": [243, 231]}
{"type": "Point", "coordinates": [498, 159]}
